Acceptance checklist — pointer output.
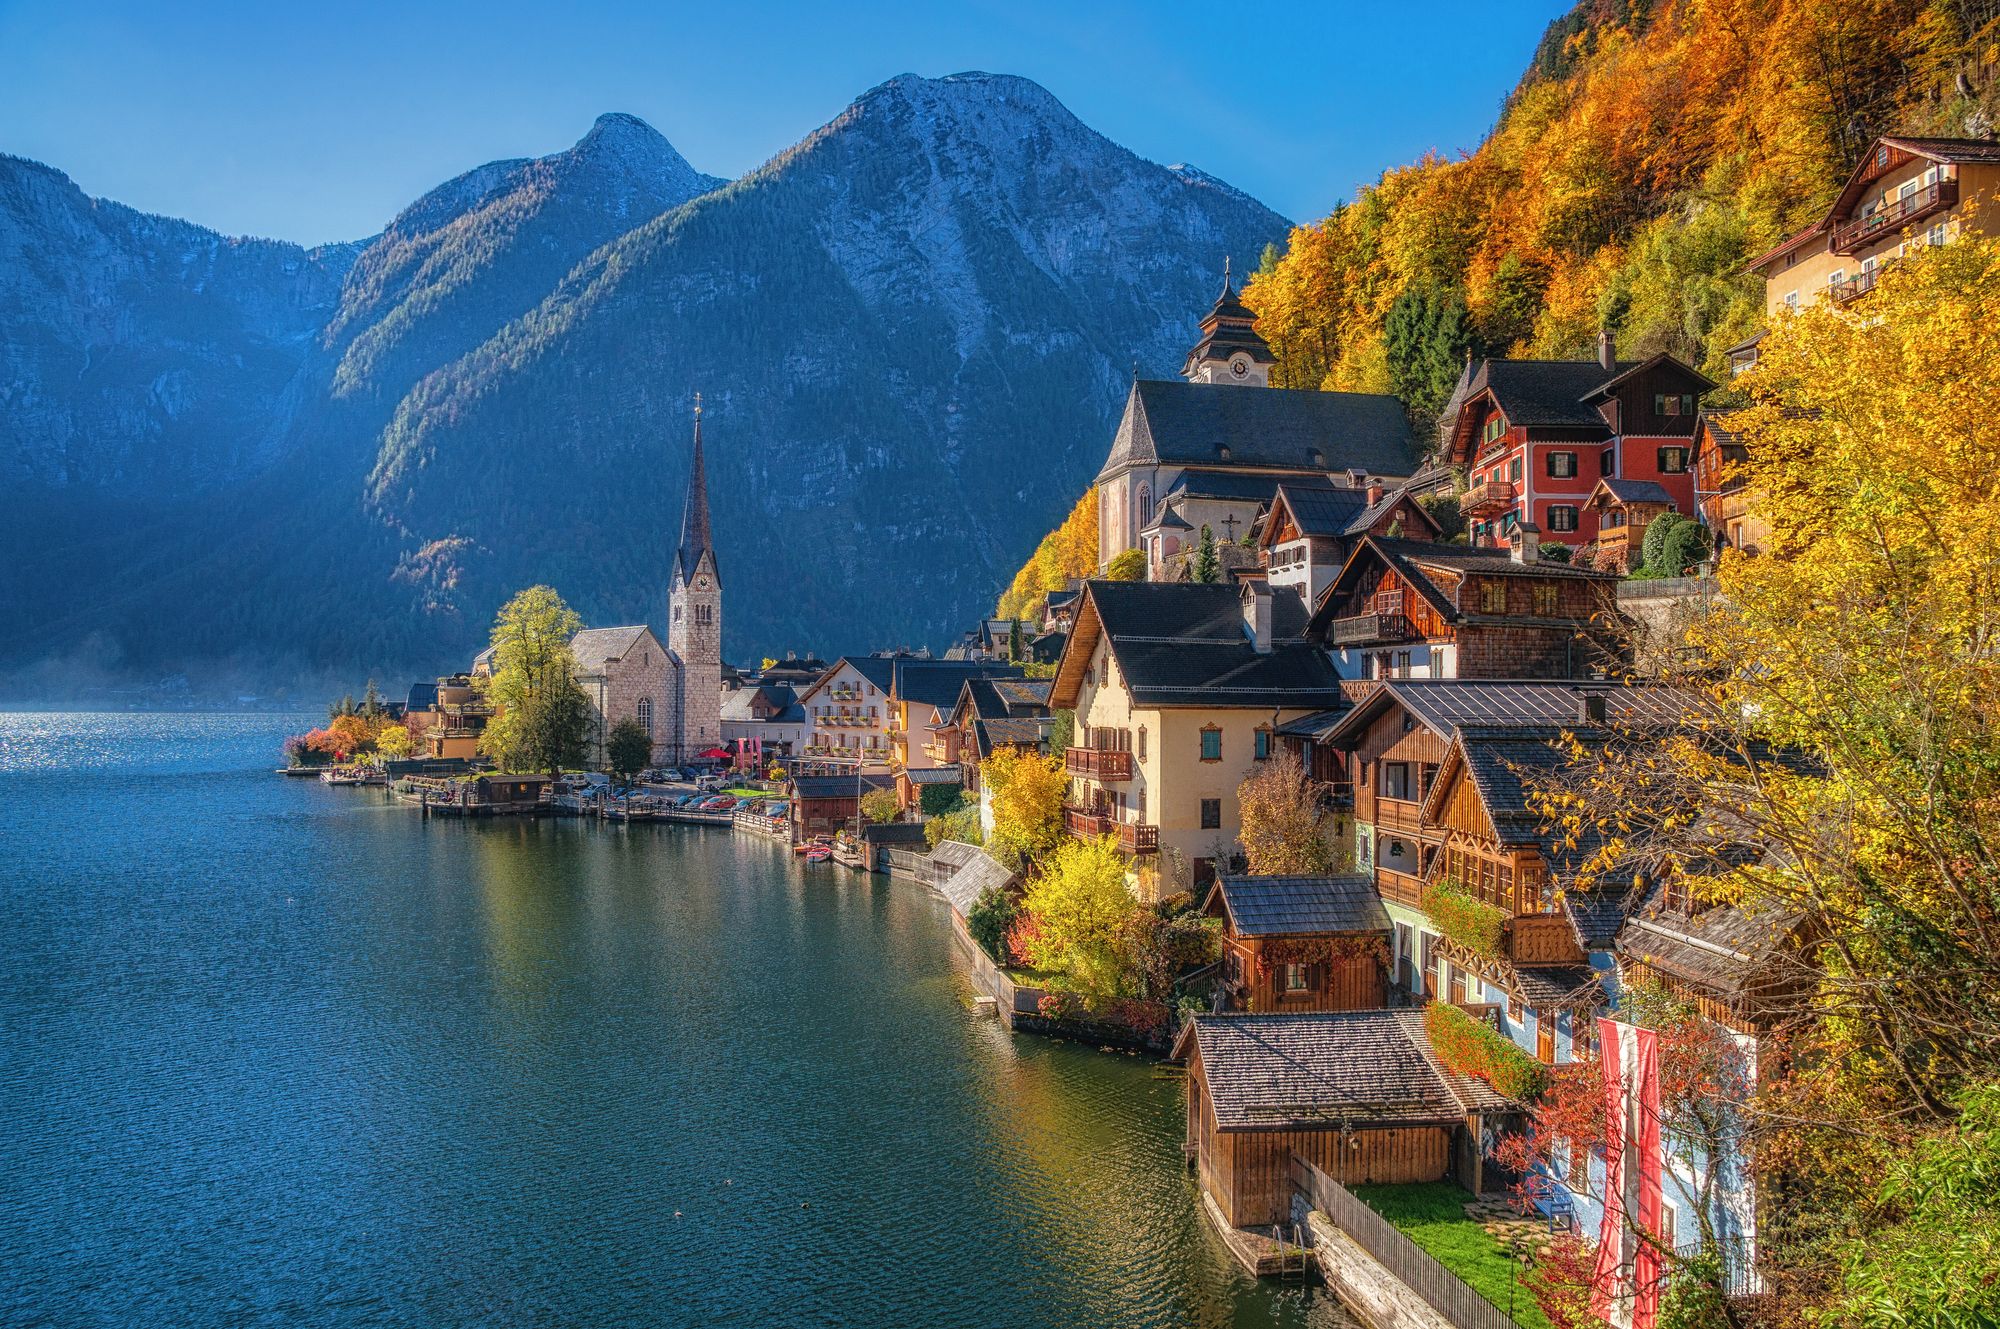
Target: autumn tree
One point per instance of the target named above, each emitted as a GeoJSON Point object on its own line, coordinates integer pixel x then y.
{"type": "Point", "coordinates": [1849, 738]}
{"type": "Point", "coordinates": [1285, 820]}
{"type": "Point", "coordinates": [542, 718]}
{"type": "Point", "coordinates": [1127, 565]}
{"type": "Point", "coordinates": [880, 806]}
{"type": "Point", "coordinates": [394, 741]}
{"type": "Point", "coordinates": [1080, 906]}
{"type": "Point", "coordinates": [628, 749]}
{"type": "Point", "coordinates": [1027, 790]}
{"type": "Point", "coordinates": [1066, 553]}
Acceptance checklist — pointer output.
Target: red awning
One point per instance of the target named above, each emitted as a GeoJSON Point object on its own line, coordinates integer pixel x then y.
{"type": "Point", "coordinates": [715, 754]}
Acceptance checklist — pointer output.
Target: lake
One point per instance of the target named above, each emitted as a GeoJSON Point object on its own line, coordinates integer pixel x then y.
{"type": "Point", "coordinates": [277, 1053]}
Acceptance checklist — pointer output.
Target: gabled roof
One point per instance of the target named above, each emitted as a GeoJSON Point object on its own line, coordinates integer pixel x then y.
{"type": "Point", "coordinates": [1442, 705]}
{"type": "Point", "coordinates": [1184, 644]}
{"type": "Point", "coordinates": [1595, 916]}
{"type": "Point", "coordinates": [876, 669]}
{"type": "Point", "coordinates": [738, 705]}
{"type": "Point", "coordinates": [1221, 426]}
{"type": "Point", "coordinates": [595, 648]}
{"type": "Point", "coordinates": [1724, 948]}
{"type": "Point", "coordinates": [973, 873]}
{"type": "Point", "coordinates": [1902, 147]}
{"type": "Point", "coordinates": [1015, 731]}
{"type": "Point", "coordinates": [936, 683]}
{"type": "Point", "coordinates": [1547, 392]}
{"type": "Point", "coordinates": [1299, 906]}
{"type": "Point", "coordinates": [1629, 492]}
{"type": "Point", "coordinates": [1662, 360]}
{"type": "Point", "coordinates": [1416, 560]}
{"type": "Point", "coordinates": [1325, 1068]}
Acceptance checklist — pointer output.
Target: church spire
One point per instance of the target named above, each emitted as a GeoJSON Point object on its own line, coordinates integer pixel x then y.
{"type": "Point", "coordinates": [694, 516]}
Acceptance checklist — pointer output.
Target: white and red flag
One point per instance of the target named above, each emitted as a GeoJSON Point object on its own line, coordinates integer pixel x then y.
{"type": "Point", "coordinates": [1625, 1291]}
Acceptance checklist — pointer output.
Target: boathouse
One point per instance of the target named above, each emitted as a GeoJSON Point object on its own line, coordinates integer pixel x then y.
{"type": "Point", "coordinates": [1358, 1094]}
{"type": "Point", "coordinates": [1302, 943]}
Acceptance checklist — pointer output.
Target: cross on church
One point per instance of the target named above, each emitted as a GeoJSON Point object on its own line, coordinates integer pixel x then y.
{"type": "Point", "coordinates": [1229, 528]}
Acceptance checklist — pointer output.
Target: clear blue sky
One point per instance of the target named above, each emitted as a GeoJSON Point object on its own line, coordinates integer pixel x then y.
{"type": "Point", "coordinates": [318, 122]}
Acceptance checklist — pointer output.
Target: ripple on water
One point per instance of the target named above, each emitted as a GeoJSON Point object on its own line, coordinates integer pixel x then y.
{"type": "Point", "coordinates": [277, 1053]}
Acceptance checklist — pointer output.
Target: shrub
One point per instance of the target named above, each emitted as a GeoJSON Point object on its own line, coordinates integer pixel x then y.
{"type": "Point", "coordinates": [993, 914]}
{"type": "Point", "coordinates": [934, 800]}
{"type": "Point", "coordinates": [879, 806]}
{"type": "Point", "coordinates": [1474, 924]}
{"type": "Point", "coordinates": [1467, 1047]}
{"type": "Point", "coordinates": [1129, 565]}
{"type": "Point", "coordinates": [961, 824]}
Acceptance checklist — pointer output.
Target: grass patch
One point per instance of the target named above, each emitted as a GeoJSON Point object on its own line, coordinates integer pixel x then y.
{"type": "Point", "coordinates": [1432, 1214]}
{"type": "Point", "coordinates": [751, 793]}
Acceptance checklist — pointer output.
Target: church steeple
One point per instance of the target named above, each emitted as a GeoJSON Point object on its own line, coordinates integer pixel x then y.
{"type": "Point", "coordinates": [695, 540]}
{"type": "Point", "coordinates": [1230, 351]}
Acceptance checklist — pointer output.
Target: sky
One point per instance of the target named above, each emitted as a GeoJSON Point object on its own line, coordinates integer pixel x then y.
{"type": "Point", "coordinates": [316, 123]}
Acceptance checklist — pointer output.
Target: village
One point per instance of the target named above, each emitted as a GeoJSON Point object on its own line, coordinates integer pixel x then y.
{"type": "Point", "coordinates": [1302, 788]}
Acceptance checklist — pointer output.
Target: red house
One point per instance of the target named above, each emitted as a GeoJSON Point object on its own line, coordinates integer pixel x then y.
{"type": "Point", "coordinates": [1536, 436]}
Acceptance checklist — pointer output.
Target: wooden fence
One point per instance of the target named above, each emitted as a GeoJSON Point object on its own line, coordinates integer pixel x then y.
{"type": "Point", "coordinates": [1445, 1292]}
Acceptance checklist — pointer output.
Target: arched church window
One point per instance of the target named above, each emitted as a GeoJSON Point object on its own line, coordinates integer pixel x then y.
{"type": "Point", "coordinates": [1145, 506]}
{"type": "Point", "coordinates": [646, 715]}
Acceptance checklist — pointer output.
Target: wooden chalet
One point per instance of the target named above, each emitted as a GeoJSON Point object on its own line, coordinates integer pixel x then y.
{"type": "Point", "coordinates": [1358, 1094]}
{"type": "Point", "coordinates": [1745, 966]}
{"type": "Point", "coordinates": [1535, 437]}
{"type": "Point", "coordinates": [824, 804]}
{"type": "Point", "coordinates": [1625, 508]}
{"type": "Point", "coordinates": [1728, 506]}
{"type": "Point", "coordinates": [1313, 525]}
{"type": "Point", "coordinates": [991, 714]}
{"type": "Point", "coordinates": [1406, 609]}
{"type": "Point", "coordinates": [1302, 943]}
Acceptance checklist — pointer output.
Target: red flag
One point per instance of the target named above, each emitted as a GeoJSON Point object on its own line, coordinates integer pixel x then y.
{"type": "Point", "coordinates": [1625, 1290]}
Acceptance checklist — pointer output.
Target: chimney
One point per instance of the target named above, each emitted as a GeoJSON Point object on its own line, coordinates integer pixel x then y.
{"type": "Point", "coordinates": [1375, 492]}
{"type": "Point", "coordinates": [1607, 353]}
{"type": "Point", "coordinates": [1527, 542]}
{"type": "Point", "coordinates": [1256, 598]}
{"type": "Point", "coordinates": [1356, 478]}
{"type": "Point", "coordinates": [1590, 708]}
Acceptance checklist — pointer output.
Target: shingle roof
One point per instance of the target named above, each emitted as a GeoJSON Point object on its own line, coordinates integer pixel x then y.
{"type": "Point", "coordinates": [1635, 491]}
{"type": "Point", "coordinates": [837, 786]}
{"type": "Point", "coordinates": [1546, 392]}
{"type": "Point", "coordinates": [1596, 915]}
{"type": "Point", "coordinates": [1015, 731]}
{"type": "Point", "coordinates": [1322, 509]}
{"type": "Point", "coordinates": [1442, 705]}
{"type": "Point", "coordinates": [1296, 906]}
{"type": "Point", "coordinates": [1313, 726]}
{"type": "Point", "coordinates": [1022, 695]}
{"type": "Point", "coordinates": [1320, 1069]}
{"type": "Point", "coordinates": [1189, 424]}
{"type": "Point", "coordinates": [935, 775]}
{"type": "Point", "coordinates": [973, 874]}
{"type": "Point", "coordinates": [1242, 485]}
{"type": "Point", "coordinates": [1725, 948]}
{"type": "Point", "coordinates": [738, 704]}
{"type": "Point", "coordinates": [1947, 149]}
{"type": "Point", "coordinates": [1183, 644]}
{"type": "Point", "coordinates": [596, 647]}
{"type": "Point", "coordinates": [1557, 988]}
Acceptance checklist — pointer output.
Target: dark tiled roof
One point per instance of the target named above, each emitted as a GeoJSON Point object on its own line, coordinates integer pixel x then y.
{"type": "Point", "coordinates": [1947, 149]}
{"type": "Point", "coordinates": [1029, 696]}
{"type": "Point", "coordinates": [1296, 906]}
{"type": "Point", "coordinates": [1189, 424]}
{"type": "Point", "coordinates": [936, 682]}
{"type": "Point", "coordinates": [935, 775]}
{"type": "Point", "coordinates": [1318, 1069]}
{"type": "Point", "coordinates": [1183, 644]}
{"type": "Point", "coordinates": [1546, 392]}
{"type": "Point", "coordinates": [1245, 486]}
{"type": "Point", "coordinates": [1483, 559]}
{"type": "Point", "coordinates": [1315, 725]}
{"type": "Point", "coordinates": [1551, 989]}
{"type": "Point", "coordinates": [1725, 948]}
{"type": "Point", "coordinates": [1022, 731]}
{"type": "Point", "coordinates": [1635, 491]}
{"type": "Point", "coordinates": [877, 669]}
{"type": "Point", "coordinates": [1324, 509]}
{"type": "Point", "coordinates": [1057, 599]}
{"type": "Point", "coordinates": [596, 647]}
{"type": "Point", "coordinates": [893, 832]}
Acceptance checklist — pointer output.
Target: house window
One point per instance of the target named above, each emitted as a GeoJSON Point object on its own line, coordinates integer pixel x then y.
{"type": "Point", "coordinates": [1495, 427]}
{"type": "Point", "coordinates": [646, 715]}
{"type": "Point", "coordinates": [1607, 462]}
{"type": "Point", "coordinates": [1614, 518]}
{"type": "Point", "coordinates": [1211, 814]}
{"type": "Point", "coordinates": [1142, 742]}
{"type": "Point", "coordinates": [1401, 668]}
{"type": "Point", "coordinates": [1493, 597]}
{"type": "Point", "coordinates": [1545, 599]}
{"type": "Point", "coordinates": [1296, 976]}
{"type": "Point", "coordinates": [1260, 745]}
{"type": "Point", "coordinates": [1396, 780]}
{"type": "Point", "coordinates": [1562, 465]}
{"type": "Point", "coordinates": [1562, 517]}
{"type": "Point", "coordinates": [1673, 461]}
{"type": "Point", "coordinates": [1211, 744]}
{"type": "Point", "coordinates": [1791, 301]}
{"type": "Point", "coordinates": [1673, 403]}
{"type": "Point", "coordinates": [1514, 470]}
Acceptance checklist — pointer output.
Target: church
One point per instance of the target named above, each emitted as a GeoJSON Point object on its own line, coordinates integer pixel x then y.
{"type": "Point", "coordinates": [1211, 448]}
{"type": "Point", "coordinates": [673, 690]}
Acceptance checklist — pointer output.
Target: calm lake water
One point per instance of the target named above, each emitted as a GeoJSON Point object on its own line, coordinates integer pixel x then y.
{"type": "Point", "coordinates": [276, 1053]}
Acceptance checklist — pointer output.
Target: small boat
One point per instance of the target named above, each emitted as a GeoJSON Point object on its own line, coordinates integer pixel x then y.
{"type": "Point", "coordinates": [808, 846]}
{"type": "Point", "coordinates": [819, 853]}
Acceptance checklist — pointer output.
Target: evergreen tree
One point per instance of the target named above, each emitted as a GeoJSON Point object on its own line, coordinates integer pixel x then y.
{"type": "Point", "coordinates": [1207, 564]}
{"type": "Point", "coordinates": [1015, 649]}
{"type": "Point", "coordinates": [628, 749]}
{"type": "Point", "coordinates": [1427, 336]}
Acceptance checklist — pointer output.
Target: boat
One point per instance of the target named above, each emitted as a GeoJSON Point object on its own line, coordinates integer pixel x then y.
{"type": "Point", "coordinates": [819, 853]}
{"type": "Point", "coordinates": [817, 842]}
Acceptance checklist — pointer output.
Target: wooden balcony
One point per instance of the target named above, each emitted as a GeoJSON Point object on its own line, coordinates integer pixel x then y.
{"type": "Point", "coordinates": [1133, 837]}
{"type": "Point", "coordinates": [1884, 223]}
{"type": "Point", "coordinates": [1400, 887]}
{"type": "Point", "coordinates": [1488, 500]}
{"type": "Point", "coordinates": [1853, 288]}
{"type": "Point", "coordinates": [1404, 817]}
{"type": "Point", "coordinates": [1542, 939]}
{"type": "Point", "coordinates": [1360, 629]}
{"type": "Point", "coordinates": [938, 752]}
{"type": "Point", "coordinates": [1097, 763]}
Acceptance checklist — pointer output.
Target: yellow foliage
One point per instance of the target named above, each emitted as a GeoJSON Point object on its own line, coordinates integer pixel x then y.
{"type": "Point", "coordinates": [1027, 790]}
{"type": "Point", "coordinates": [1081, 905]}
{"type": "Point", "coordinates": [1070, 550]}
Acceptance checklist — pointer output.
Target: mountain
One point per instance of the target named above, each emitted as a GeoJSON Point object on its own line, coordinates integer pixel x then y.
{"type": "Point", "coordinates": [911, 331]}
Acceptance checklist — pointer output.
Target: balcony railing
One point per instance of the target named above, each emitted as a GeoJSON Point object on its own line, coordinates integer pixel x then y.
{"type": "Point", "coordinates": [1358, 628]}
{"type": "Point", "coordinates": [1133, 837]}
{"type": "Point", "coordinates": [1853, 288]}
{"type": "Point", "coordinates": [1494, 496]}
{"type": "Point", "coordinates": [1097, 763]}
{"type": "Point", "coordinates": [1885, 222]}
{"type": "Point", "coordinates": [938, 752]}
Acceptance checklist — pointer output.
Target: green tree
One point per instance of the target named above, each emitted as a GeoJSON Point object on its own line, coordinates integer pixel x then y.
{"type": "Point", "coordinates": [1081, 906]}
{"type": "Point", "coordinates": [992, 914]}
{"type": "Point", "coordinates": [1127, 565]}
{"type": "Point", "coordinates": [1207, 564]}
{"type": "Point", "coordinates": [1015, 647]}
{"type": "Point", "coordinates": [880, 806]}
{"type": "Point", "coordinates": [557, 725]}
{"type": "Point", "coordinates": [534, 677]}
{"type": "Point", "coordinates": [628, 749]}
{"type": "Point", "coordinates": [1427, 336]}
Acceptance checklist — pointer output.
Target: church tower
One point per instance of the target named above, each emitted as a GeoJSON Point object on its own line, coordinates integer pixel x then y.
{"type": "Point", "coordinates": [694, 616]}
{"type": "Point", "coordinates": [1230, 351]}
